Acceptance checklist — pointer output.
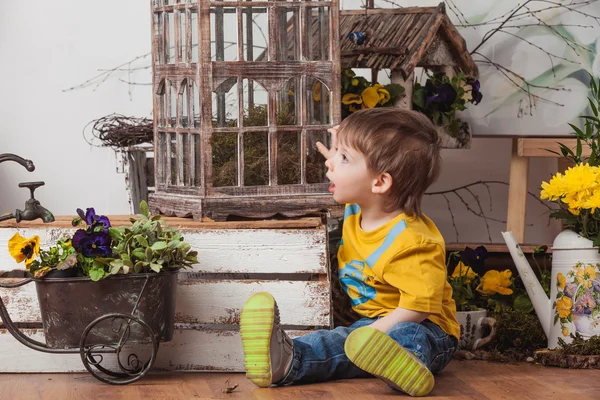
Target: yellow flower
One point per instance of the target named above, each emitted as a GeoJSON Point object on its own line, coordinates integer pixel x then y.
{"type": "Point", "coordinates": [354, 82]}
{"type": "Point", "coordinates": [462, 270]}
{"type": "Point", "coordinates": [563, 306]}
{"type": "Point", "coordinates": [370, 97]}
{"type": "Point", "coordinates": [22, 249]}
{"type": "Point", "coordinates": [565, 332]}
{"type": "Point", "coordinates": [561, 281]}
{"type": "Point", "coordinates": [495, 282]}
{"type": "Point", "coordinates": [351, 98]}
{"type": "Point", "coordinates": [384, 95]}
{"type": "Point", "coordinates": [593, 202]}
{"type": "Point", "coordinates": [586, 275]}
{"type": "Point", "coordinates": [553, 190]}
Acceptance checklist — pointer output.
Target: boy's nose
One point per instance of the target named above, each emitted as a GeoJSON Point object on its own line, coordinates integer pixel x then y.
{"type": "Point", "coordinates": [329, 164]}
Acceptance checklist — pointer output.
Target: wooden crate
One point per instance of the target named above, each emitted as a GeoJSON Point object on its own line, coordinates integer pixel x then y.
{"type": "Point", "coordinates": [285, 258]}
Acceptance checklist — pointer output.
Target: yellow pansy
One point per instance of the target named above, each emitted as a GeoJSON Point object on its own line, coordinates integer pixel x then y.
{"type": "Point", "coordinates": [495, 282]}
{"type": "Point", "coordinates": [565, 332]}
{"type": "Point", "coordinates": [351, 98]}
{"type": "Point", "coordinates": [561, 281]}
{"type": "Point", "coordinates": [384, 95]}
{"type": "Point", "coordinates": [370, 97]}
{"type": "Point", "coordinates": [586, 275]}
{"type": "Point", "coordinates": [462, 270]}
{"type": "Point", "coordinates": [563, 306]}
{"type": "Point", "coordinates": [22, 249]}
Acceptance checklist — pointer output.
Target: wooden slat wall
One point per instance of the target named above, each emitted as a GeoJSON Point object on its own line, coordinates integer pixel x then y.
{"type": "Point", "coordinates": [285, 258]}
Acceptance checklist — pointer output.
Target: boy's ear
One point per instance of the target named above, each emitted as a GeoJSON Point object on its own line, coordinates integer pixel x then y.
{"type": "Point", "coordinates": [382, 183]}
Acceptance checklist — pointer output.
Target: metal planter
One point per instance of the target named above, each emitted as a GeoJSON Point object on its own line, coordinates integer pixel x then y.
{"type": "Point", "coordinates": [69, 305]}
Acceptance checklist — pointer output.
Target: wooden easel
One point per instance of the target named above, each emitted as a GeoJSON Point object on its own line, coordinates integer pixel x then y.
{"type": "Point", "coordinates": [522, 150]}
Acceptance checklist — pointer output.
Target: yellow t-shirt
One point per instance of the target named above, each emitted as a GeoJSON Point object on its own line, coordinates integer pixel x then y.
{"type": "Point", "coordinates": [400, 264]}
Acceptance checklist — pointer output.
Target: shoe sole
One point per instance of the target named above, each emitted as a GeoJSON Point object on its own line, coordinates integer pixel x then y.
{"type": "Point", "coordinates": [256, 327]}
{"type": "Point", "coordinates": [375, 352]}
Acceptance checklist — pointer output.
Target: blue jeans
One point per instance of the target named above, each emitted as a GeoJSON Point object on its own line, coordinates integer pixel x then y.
{"type": "Point", "coordinates": [320, 356]}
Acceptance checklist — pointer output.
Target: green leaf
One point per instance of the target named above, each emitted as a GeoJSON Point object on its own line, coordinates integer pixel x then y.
{"type": "Point", "coordinates": [141, 239]}
{"type": "Point", "coordinates": [138, 267]}
{"type": "Point", "coordinates": [96, 273]}
{"type": "Point", "coordinates": [523, 303]}
{"type": "Point", "coordinates": [593, 107]}
{"type": "Point", "coordinates": [148, 254]}
{"type": "Point", "coordinates": [578, 131]}
{"type": "Point", "coordinates": [155, 267]}
{"type": "Point", "coordinates": [144, 209]}
{"type": "Point", "coordinates": [159, 246]}
{"type": "Point", "coordinates": [139, 253]}
{"type": "Point", "coordinates": [125, 257]}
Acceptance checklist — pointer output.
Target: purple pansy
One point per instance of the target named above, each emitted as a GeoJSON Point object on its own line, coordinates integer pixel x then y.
{"type": "Point", "coordinates": [444, 96]}
{"type": "Point", "coordinates": [92, 244]}
{"type": "Point", "coordinates": [570, 289]}
{"type": "Point", "coordinates": [474, 258]}
{"type": "Point", "coordinates": [477, 95]}
{"type": "Point", "coordinates": [93, 220]}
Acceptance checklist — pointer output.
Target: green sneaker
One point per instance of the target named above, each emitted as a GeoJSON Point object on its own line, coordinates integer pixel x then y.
{"type": "Point", "coordinates": [378, 354]}
{"type": "Point", "coordinates": [268, 350]}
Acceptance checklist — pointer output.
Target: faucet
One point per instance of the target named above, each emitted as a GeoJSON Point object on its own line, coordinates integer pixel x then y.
{"type": "Point", "coordinates": [33, 208]}
{"type": "Point", "coordinates": [28, 164]}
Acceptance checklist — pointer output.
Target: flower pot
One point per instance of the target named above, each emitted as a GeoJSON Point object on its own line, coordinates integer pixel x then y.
{"type": "Point", "coordinates": [69, 305]}
{"type": "Point", "coordinates": [471, 329]}
{"type": "Point", "coordinates": [460, 141]}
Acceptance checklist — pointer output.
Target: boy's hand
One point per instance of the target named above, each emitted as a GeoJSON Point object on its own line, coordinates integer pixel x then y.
{"type": "Point", "coordinates": [329, 153]}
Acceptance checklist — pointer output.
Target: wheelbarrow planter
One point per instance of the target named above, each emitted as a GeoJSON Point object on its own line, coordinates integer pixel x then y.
{"type": "Point", "coordinates": [98, 318]}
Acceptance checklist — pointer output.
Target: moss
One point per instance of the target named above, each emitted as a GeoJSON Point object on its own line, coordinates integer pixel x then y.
{"type": "Point", "coordinates": [518, 335]}
{"type": "Point", "coordinates": [581, 346]}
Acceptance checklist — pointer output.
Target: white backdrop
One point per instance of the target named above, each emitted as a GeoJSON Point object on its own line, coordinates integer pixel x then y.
{"type": "Point", "coordinates": [48, 47]}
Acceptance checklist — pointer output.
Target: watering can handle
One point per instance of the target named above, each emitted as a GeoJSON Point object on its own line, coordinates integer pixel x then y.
{"type": "Point", "coordinates": [16, 284]}
{"type": "Point", "coordinates": [491, 323]}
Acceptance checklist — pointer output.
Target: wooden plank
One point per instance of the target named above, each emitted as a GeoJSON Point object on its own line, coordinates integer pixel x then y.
{"type": "Point", "coordinates": [538, 147]}
{"type": "Point", "coordinates": [65, 222]}
{"type": "Point", "coordinates": [517, 193]}
{"type": "Point", "coordinates": [190, 350]}
{"type": "Point", "coordinates": [222, 250]}
{"type": "Point", "coordinates": [301, 303]}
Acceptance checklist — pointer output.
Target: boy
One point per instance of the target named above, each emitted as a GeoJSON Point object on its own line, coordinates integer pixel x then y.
{"type": "Point", "coordinates": [392, 265]}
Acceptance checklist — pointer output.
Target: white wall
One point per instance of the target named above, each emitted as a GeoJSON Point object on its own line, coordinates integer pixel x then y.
{"type": "Point", "coordinates": [47, 47]}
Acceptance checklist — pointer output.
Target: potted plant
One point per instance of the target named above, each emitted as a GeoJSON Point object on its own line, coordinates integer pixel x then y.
{"type": "Point", "coordinates": [126, 269]}
{"type": "Point", "coordinates": [358, 93]}
{"type": "Point", "coordinates": [476, 290]}
{"type": "Point", "coordinates": [440, 99]}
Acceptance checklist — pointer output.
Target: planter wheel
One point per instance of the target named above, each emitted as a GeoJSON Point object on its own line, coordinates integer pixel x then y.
{"type": "Point", "coordinates": [92, 355]}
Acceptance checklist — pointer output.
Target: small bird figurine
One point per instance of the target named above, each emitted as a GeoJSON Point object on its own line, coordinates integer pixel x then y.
{"type": "Point", "coordinates": [357, 37]}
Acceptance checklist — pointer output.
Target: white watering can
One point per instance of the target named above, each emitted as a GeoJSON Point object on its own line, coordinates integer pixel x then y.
{"type": "Point", "coordinates": [575, 286]}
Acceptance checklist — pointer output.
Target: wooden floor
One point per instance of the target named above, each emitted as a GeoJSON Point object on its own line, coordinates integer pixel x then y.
{"type": "Point", "coordinates": [478, 380]}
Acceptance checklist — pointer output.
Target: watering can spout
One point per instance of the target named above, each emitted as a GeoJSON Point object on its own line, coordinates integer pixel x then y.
{"type": "Point", "coordinates": [536, 293]}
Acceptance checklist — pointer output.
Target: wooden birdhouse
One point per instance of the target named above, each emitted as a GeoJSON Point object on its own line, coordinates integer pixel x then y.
{"type": "Point", "coordinates": [401, 39]}
{"type": "Point", "coordinates": [243, 90]}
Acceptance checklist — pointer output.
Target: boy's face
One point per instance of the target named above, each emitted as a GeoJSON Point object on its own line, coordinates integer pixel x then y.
{"type": "Point", "coordinates": [350, 177]}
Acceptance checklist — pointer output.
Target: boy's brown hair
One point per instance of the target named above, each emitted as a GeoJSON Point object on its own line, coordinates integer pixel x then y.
{"type": "Point", "coordinates": [403, 143]}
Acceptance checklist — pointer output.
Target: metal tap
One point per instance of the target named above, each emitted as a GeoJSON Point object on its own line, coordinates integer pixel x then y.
{"type": "Point", "coordinates": [28, 164]}
{"type": "Point", "coordinates": [33, 208]}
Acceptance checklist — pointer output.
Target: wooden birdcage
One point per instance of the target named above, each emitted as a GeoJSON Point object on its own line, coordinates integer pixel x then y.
{"type": "Point", "coordinates": [243, 90]}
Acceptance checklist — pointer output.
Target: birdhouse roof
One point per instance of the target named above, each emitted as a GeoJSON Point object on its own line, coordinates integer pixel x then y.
{"type": "Point", "coordinates": [402, 39]}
